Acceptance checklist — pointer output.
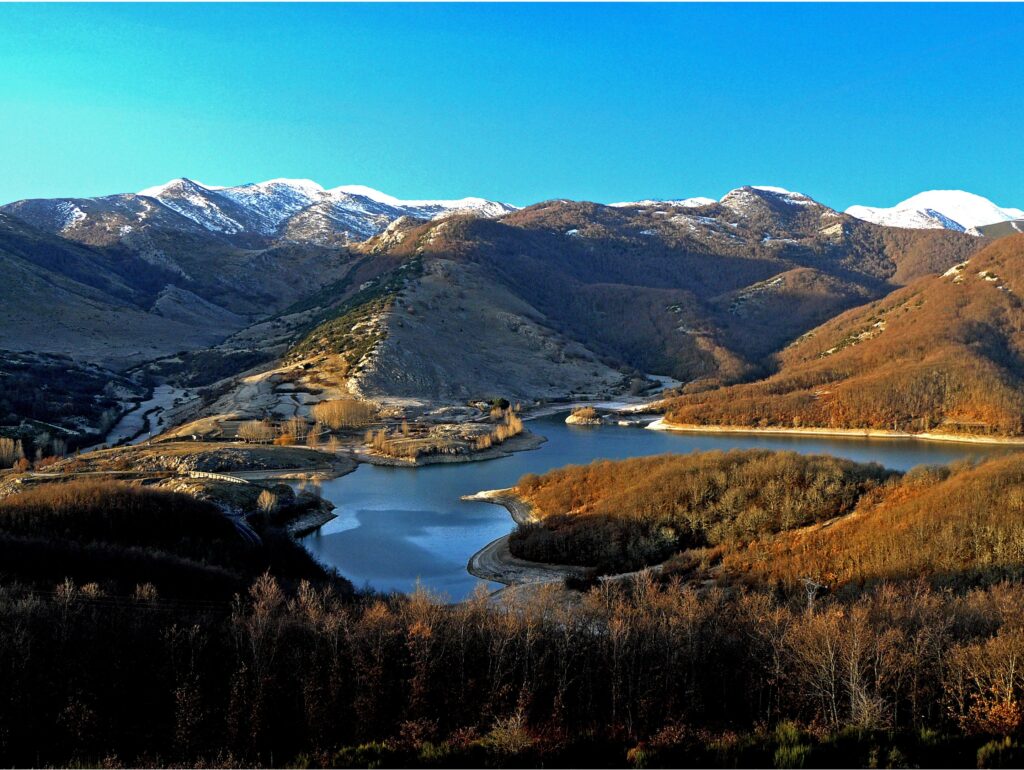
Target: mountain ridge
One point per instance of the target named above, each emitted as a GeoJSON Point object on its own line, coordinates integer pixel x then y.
{"type": "Point", "coordinates": [250, 214]}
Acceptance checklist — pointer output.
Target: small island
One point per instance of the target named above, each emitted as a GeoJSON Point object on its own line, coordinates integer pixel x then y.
{"type": "Point", "coordinates": [584, 415]}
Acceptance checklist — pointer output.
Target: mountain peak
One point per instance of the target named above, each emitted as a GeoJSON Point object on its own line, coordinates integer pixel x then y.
{"type": "Point", "coordinates": [285, 206]}
{"type": "Point", "coordinates": [307, 186]}
{"type": "Point", "coordinates": [181, 184]}
{"type": "Point", "coordinates": [747, 195]}
{"type": "Point", "coordinates": [684, 203]}
{"type": "Point", "coordinates": [938, 209]}
{"type": "Point", "coordinates": [367, 192]}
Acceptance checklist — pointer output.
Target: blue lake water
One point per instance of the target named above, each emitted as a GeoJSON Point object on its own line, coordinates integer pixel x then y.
{"type": "Point", "coordinates": [397, 526]}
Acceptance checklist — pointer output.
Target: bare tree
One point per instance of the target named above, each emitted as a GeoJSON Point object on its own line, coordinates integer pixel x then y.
{"type": "Point", "coordinates": [256, 432]}
{"type": "Point", "coordinates": [345, 413]}
{"type": "Point", "coordinates": [10, 452]}
{"type": "Point", "coordinates": [266, 502]}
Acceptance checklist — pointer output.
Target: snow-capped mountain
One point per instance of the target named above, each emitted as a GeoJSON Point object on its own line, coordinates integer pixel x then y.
{"type": "Point", "coordinates": [249, 215]}
{"type": "Point", "coordinates": [354, 212]}
{"type": "Point", "coordinates": [938, 209]}
{"type": "Point", "coordinates": [743, 198]}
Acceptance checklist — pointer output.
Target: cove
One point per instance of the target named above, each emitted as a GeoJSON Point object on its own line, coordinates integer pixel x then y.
{"type": "Point", "coordinates": [400, 526]}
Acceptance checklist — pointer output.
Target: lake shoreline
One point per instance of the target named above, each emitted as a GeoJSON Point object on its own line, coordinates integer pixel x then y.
{"type": "Point", "coordinates": [429, 525]}
{"type": "Point", "coordinates": [495, 561]}
{"type": "Point", "coordinates": [859, 433]}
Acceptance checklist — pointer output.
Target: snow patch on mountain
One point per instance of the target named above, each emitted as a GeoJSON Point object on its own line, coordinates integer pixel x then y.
{"type": "Point", "coordinates": [461, 204]}
{"type": "Point", "coordinates": [196, 202]}
{"type": "Point", "coordinates": [424, 209]}
{"type": "Point", "coordinates": [684, 203]}
{"type": "Point", "coordinates": [744, 198]}
{"type": "Point", "coordinates": [155, 192]}
{"type": "Point", "coordinates": [270, 203]}
{"type": "Point", "coordinates": [69, 215]}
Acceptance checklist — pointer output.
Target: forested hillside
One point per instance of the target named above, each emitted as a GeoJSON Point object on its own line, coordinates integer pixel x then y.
{"type": "Point", "coordinates": [882, 636]}
{"type": "Point", "coordinates": [625, 515]}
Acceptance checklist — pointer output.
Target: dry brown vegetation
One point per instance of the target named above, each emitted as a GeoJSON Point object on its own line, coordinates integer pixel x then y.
{"type": "Point", "coordinates": [909, 657]}
{"type": "Point", "coordinates": [345, 413]}
{"type": "Point", "coordinates": [653, 675]}
{"type": "Point", "coordinates": [118, 535]}
{"type": "Point", "coordinates": [742, 517]}
{"type": "Point", "coordinates": [510, 426]}
{"type": "Point", "coordinates": [10, 451]}
{"type": "Point", "coordinates": [256, 432]}
{"type": "Point", "coordinates": [957, 527]}
{"type": "Point", "coordinates": [946, 353]}
{"type": "Point", "coordinates": [623, 515]}
{"type": "Point", "coordinates": [409, 443]}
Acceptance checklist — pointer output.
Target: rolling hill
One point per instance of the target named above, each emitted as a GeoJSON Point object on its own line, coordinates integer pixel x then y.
{"type": "Point", "coordinates": [121, 306]}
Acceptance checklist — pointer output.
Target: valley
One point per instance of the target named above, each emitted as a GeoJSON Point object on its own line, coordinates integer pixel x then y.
{"type": "Point", "coordinates": [287, 416]}
{"type": "Point", "coordinates": [511, 385]}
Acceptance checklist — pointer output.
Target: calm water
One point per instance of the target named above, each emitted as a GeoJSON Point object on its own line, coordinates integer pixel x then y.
{"type": "Point", "coordinates": [397, 526]}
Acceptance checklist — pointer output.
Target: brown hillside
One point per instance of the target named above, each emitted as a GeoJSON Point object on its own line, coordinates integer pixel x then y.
{"type": "Point", "coordinates": [624, 515]}
{"type": "Point", "coordinates": [945, 353]}
{"type": "Point", "coordinates": [706, 293]}
{"type": "Point", "coordinates": [955, 529]}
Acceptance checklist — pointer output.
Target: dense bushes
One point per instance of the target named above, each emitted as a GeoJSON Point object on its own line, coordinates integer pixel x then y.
{"type": "Point", "coordinates": [120, 536]}
{"type": "Point", "coordinates": [114, 513]}
{"type": "Point", "coordinates": [619, 516]}
{"type": "Point", "coordinates": [962, 527]}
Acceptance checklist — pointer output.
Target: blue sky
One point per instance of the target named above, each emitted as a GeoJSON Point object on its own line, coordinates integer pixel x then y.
{"type": "Point", "coordinates": [847, 103]}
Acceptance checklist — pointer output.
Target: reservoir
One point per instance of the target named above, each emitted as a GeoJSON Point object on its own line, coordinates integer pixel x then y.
{"type": "Point", "coordinates": [400, 526]}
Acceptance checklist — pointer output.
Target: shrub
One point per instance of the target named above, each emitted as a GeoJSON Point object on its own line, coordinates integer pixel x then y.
{"type": "Point", "coordinates": [10, 452]}
{"type": "Point", "coordinates": [266, 502]}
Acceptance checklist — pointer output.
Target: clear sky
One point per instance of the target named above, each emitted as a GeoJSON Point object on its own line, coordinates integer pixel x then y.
{"type": "Point", "coordinates": [847, 103]}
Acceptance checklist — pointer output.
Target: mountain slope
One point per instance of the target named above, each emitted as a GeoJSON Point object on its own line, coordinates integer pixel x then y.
{"type": "Point", "coordinates": [62, 297]}
{"type": "Point", "coordinates": [943, 354]}
{"type": "Point", "coordinates": [942, 209]}
{"type": "Point", "coordinates": [120, 306]}
{"type": "Point", "coordinates": [699, 293]}
{"type": "Point", "coordinates": [1002, 229]}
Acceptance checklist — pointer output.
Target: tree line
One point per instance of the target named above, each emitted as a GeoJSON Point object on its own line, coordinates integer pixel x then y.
{"type": "Point", "coordinates": [642, 676]}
